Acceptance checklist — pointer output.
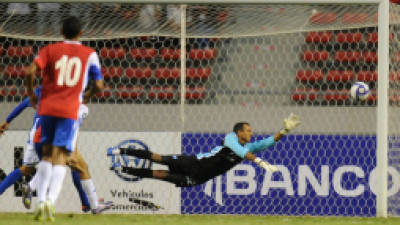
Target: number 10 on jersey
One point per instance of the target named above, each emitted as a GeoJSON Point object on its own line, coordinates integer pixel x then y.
{"type": "Point", "coordinates": [70, 69]}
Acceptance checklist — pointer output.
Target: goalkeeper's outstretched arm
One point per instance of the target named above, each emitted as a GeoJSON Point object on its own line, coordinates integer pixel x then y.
{"type": "Point", "coordinates": [289, 124]}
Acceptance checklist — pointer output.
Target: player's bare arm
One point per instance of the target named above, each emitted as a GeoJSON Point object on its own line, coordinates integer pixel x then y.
{"type": "Point", "coordinates": [30, 80]}
{"type": "Point", "coordinates": [3, 127]}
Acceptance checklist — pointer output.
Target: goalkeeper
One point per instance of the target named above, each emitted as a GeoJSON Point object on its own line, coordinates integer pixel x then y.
{"type": "Point", "coordinates": [186, 171]}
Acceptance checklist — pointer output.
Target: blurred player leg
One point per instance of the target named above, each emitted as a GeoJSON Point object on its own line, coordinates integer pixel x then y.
{"type": "Point", "coordinates": [77, 162]}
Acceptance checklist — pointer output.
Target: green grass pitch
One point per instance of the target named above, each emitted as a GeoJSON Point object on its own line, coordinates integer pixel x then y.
{"type": "Point", "coordinates": [113, 219]}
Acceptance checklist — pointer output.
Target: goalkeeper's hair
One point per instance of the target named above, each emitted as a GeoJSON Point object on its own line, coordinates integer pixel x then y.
{"type": "Point", "coordinates": [71, 27]}
{"type": "Point", "coordinates": [239, 126]}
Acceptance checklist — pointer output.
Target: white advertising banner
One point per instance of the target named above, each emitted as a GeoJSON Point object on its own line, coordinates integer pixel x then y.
{"type": "Point", "coordinates": [129, 193]}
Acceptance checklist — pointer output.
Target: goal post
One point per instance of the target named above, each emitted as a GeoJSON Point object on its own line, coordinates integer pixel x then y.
{"type": "Point", "coordinates": [203, 65]}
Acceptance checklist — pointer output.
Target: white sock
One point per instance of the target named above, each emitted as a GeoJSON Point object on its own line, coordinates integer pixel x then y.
{"type": "Point", "coordinates": [56, 182]}
{"type": "Point", "coordinates": [44, 173]}
{"type": "Point", "coordinates": [90, 191]}
{"type": "Point", "coordinates": [33, 184]}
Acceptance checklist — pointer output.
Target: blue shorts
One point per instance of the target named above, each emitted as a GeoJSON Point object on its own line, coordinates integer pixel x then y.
{"type": "Point", "coordinates": [60, 132]}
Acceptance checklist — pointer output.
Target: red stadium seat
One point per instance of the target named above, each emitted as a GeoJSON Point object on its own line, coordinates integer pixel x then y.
{"type": "Point", "coordinates": [394, 76]}
{"type": "Point", "coordinates": [352, 18]}
{"type": "Point", "coordinates": [309, 75]}
{"type": "Point", "coordinates": [144, 72]}
{"type": "Point", "coordinates": [202, 54]}
{"type": "Point", "coordinates": [370, 57]}
{"type": "Point", "coordinates": [110, 72]}
{"type": "Point", "coordinates": [113, 53]}
{"type": "Point", "coordinates": [193, 93]}
{"type": "Point", "coordinates": [105, 93]}
{"type": "Point", "coordinates": [340, 76]}
{"type": "Point", "coordinates": [347, 56]}
{"type": "Point", "coordinates": [161, 92]}
{"type": "Point", "coordinates": [1, 50]}
{"type": "Point", "coordinates": [168, 73]}
{"type": "Point", "coordinates": [19, 51]}
{"type": "Point", "coordinates": [315, 55]}
{"type": "Point", "coordinates": [319, 37]}
{"type": "Point", "coordinates": [367, 76]}
{"type": "Point", "coordinates": [143, 53]}
{"type": "Point", "coordinates": [304, 94]}
{"type": "Point", "coordinates": [12, 91]}
{"type": "Point", "coordinates": [170, 53]}
{"type": "Point", "coordinates": [129, 92]}
{"type": "Point", "coordinates": [15, 71]}
{"type": "Point", "coordinates": [3, 91]}
{"type": "Point", "coordinates": [323, 18]}
{"type": "Point", "coordinates": [201, 73]}
{"type": "Point", "coordinates": [373, 37]}
{"type": "Point", "coordinates": [336, 95]}
{"type": "Point", "coordinates": [349, 37]}
{"type": "Point", "coordinates": [396, 57]}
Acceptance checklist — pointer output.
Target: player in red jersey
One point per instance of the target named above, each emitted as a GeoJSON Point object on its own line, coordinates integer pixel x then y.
{"type": "Point", "coordinates": [67, 68]}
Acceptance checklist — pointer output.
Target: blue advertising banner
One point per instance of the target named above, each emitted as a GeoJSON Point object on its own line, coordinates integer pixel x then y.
{"type": "Point", "coordinates": [318, 175]}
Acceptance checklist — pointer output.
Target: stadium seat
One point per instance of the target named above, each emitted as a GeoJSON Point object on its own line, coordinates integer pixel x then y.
{"type": "Point", "coordinates": [373, 96]}
{"type": "Point", "coordinates": [373, 37]}
{"type": "Point", "coordinates": [319, 37]}
{"type": "Point", "coordinates": [354, 17]}
{"type": "Point", "coordinates": [304, 94]}
{"type": "Point", "coordinates": [309, 75]}
{"type": "Point", "coordinates": [323, 18]}
{"type": "Point", "coordinates": [143, 53]}
{"type": "Point", "coordinates": [1, 50]}
{"type": "Point", "coordinates": [347, 56]}
{"type": "Point", "coordinates": [367, 76]}
{"type": "Point", "coordinates": [12, 91]}
{"type": "Point", "coordinates": [113, 53]}
{"type": "Point", "coordinates": [110, 72]}
{"type": "Point", "coordinates": [394, 76]}
{"type": "Point", "coordinates": [315, 55]}
{"type": "Point", "coordinates": [170, 53]}
{"type": "Point", "coordinates": [200, 73]}
{"type": "Point", "coordinates": [105, 93]}
{"type": "Point", "coordinates": [161, 92]}
{"type": "Point", "coordinates": [15, 71]}
{"type": "Point", "coordinates": [144, 72]}
{"type": "Point", "coordinates": [129, 92]}
{"type": "Point", "coordinates": [340, 76]}
{"type": "Point", "coordinates": [336, 95]}
{"type": "Point", "coordinates": [370, 57]}
{"type": "Point", "coordinates": [202, 54]}
{"type": "Point", "coordinates": [168, 73]}
{"type": "Point", "coordinates": [19, 51]}
{"type": "Point", "coordinates": [194, 93]}
{"type": "Point", "coordinates": [396, 57]}
{"type": "Point", "coordinates": [349, 37]}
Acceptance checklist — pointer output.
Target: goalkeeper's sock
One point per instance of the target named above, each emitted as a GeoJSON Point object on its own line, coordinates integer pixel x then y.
{"type": "Point", "coordinates": [90, 191]}
{"type": "Point", "coordinates": [138, 172]}
{"type": "Point", "coordinates": [78, 185]}
{"type": "Point", "coordinates": [56, 182]}
{"type": "Point", "coordinates": [44, 171]}
{"type": "Point", "coordinates": [11, 179]}
{"type": "Point", "coordinates": [143, 154]}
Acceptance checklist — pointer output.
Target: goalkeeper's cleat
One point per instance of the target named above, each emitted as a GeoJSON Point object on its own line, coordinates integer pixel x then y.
{"type": "Point", "coordinates": [39, 213]}
{"type": "Point", "coordinates": [49, 211]}
{"type": "Point", "coordinates": [26, 196]}
{"type": "Point", "coordinates": [103, 206]}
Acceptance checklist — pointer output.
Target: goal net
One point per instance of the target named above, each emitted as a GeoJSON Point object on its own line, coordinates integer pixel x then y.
{"type": "Point", "coordinates": [254, 63]}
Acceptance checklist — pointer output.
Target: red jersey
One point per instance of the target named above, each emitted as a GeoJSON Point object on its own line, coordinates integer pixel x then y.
{"type": "Point", "coordinates": [65, 68]}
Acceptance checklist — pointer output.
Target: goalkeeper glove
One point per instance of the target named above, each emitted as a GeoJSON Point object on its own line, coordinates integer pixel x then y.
{"type": "Point", "coordinates": [290, 123]}
{"type": "Point", "coordinates": [265, 165]}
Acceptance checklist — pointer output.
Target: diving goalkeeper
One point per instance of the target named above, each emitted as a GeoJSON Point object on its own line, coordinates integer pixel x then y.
{"type": "Point", "coordinates": [186, 171]}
